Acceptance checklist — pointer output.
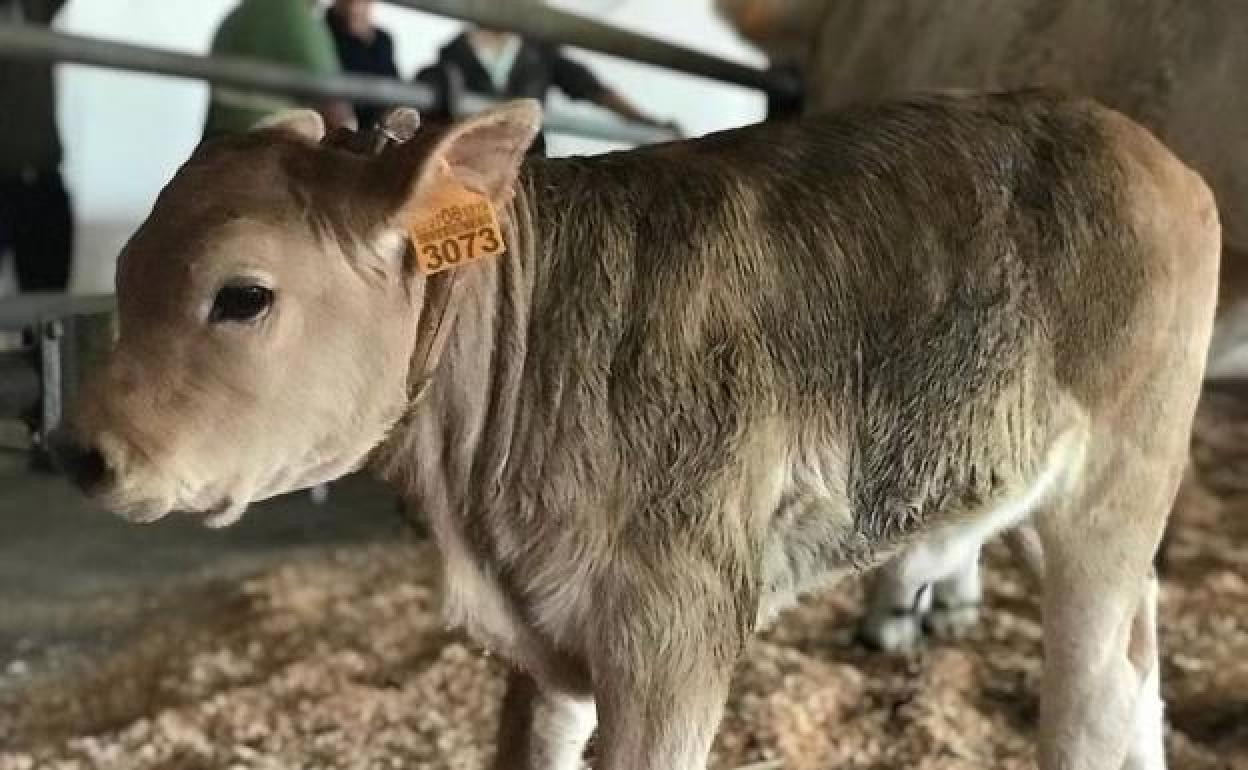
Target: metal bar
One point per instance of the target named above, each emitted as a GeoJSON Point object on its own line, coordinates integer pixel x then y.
{"type": "Point", "coordinates": [32, 42]}
{"type": "Point", "coordinates": [26, 310]}
{"type": "Point", "coordinates": [538, 22]}
{"type": "Point", "coordinates": [50, 379]}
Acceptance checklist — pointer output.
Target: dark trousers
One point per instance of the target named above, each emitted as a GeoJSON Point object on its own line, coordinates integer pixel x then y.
{"type": "Point", "coordinates": [37, 225]}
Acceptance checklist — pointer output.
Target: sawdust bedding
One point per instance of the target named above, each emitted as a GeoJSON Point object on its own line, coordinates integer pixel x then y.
{"type": "Point", "coordinates": [341, 661]}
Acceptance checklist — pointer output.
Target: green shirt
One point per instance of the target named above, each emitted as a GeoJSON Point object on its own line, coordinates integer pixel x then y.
{"type": "Point", "coordinates": [285, 32]}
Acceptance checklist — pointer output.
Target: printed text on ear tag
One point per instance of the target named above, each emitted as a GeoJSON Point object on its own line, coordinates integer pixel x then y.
{"type": "Point", "coordinates": [454, 227]}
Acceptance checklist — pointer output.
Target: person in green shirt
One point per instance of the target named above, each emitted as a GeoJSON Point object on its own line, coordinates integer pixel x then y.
{"type": "Point", "coordinates": [284, 32]}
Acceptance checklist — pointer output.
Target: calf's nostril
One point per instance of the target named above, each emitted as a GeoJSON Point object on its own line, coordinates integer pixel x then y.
{"type": "Point", "coordinates": [86, 466]}
{"type": "Point", "coordinates": [92, 471]}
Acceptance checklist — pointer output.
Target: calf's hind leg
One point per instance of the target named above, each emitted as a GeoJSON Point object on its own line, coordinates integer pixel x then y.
{"type": "Point", "coordinates": [539, 729]}
{"type": "Point", "coordinates": [1101, 706]}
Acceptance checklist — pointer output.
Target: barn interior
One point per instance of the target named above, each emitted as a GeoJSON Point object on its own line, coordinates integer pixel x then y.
{"type": "Point", "coordinates": [310, 634]}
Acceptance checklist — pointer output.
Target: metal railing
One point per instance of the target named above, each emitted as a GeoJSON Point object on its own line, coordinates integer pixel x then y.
{"type": "Point", "coordinates": [17, 312]}
{"type": "Point", "coordinates": [539, 22]}
{"type": "Point", "coordinates": [21, 41]}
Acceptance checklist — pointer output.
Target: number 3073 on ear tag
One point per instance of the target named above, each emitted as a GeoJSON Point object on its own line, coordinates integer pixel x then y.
{"type": "Point", "coordinates": [461, 228]}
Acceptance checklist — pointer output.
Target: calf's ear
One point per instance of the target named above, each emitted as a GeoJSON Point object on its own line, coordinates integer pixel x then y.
{"type": "Point", "coordinates": [304, 123]}
{"type": "Point", "coordinates": [482, 153]}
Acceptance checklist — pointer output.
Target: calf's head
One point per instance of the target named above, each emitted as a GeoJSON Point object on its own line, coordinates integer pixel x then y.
{"type": "Point", "coordinates": [267, 314]}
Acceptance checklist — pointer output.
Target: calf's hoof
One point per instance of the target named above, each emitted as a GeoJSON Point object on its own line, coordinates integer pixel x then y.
{"type": "Point", "coordinates": [894, 632]}
{"type": "Point", "coordinates": [951, 621]}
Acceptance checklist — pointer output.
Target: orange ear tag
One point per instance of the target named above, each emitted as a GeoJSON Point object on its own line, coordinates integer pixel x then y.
{"type": "Point", "coordinates": [455, 226]}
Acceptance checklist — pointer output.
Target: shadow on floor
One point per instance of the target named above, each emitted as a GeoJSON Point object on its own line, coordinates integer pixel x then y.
{"type": "Point", "coordinates": [71, 575]}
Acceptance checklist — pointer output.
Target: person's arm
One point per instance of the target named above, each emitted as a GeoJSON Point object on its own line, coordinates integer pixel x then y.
{"type": "Point", "coordinates": [578, 82]}
{"type": "Point", "coordinates": [614, 101]}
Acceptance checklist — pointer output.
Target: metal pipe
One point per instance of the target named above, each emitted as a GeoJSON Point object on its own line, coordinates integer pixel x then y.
{"type": "Point", "coordinates": [34, 42]}
{"type": "Point", "coordinates": [538, 22]}
{"type": "Point", "coordinates": [19, 41]}
{"type": "Point", "coordinates": [28, 309]}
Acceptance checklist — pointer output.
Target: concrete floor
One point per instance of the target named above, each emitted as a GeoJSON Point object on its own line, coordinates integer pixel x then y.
{"type": "Point", "coordinates": [73, 577]}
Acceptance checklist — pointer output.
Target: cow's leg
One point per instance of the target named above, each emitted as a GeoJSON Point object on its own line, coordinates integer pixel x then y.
{"type": "Point", "coordinates": [662, 664]}
{"type": "Point", "coordinates": [541, 730]}
{"type": "Point", "coordinates": [1101, 704]}
{"type": "Point", "coordinates": [933, 584]}
{"type": "Point", "coordinates": [896, 603]}
{"type": "Point", "coordinates": [1028, 552]}
{"type": "Point", "coordinates": [1147, 748]}
{"type": "Point", "coordinates": [956, 600]}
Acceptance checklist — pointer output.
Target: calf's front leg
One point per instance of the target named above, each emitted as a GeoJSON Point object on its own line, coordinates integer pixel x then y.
{"type": "Point", "coordinates": [931, 586]}
{"type": "Point", "coordinates": [662, 662]}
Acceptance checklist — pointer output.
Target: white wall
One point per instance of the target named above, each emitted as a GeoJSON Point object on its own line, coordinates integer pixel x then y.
{"type": "Point", "coordinates": [126, 134]}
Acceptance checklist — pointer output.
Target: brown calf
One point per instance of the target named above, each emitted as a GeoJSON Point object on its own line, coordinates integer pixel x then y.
{"type": "Point", "coordinates": [701, 379]}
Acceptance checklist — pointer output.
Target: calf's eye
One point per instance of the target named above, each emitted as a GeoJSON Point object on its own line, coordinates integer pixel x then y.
{"type": "Point", "coordinates": [240, 304]}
